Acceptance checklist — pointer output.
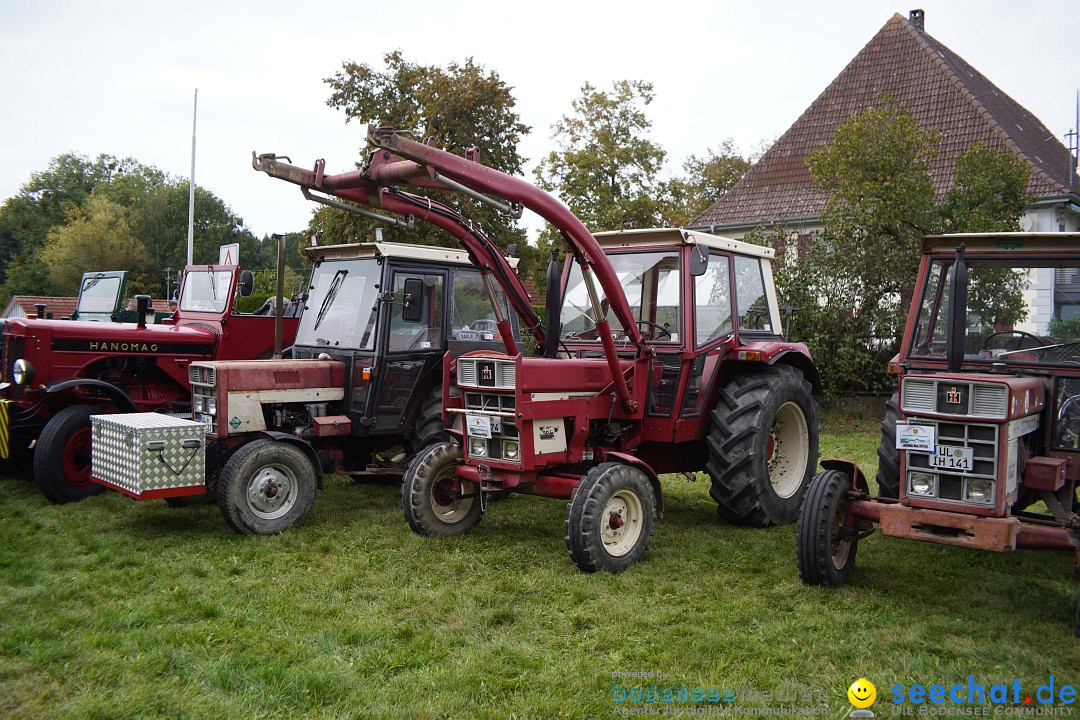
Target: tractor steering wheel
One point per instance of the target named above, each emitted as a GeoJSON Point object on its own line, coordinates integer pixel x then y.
{"type": "Point", "coordinates": [1039, 342]}
{"type": "Point", "coordinates": [659, 330]}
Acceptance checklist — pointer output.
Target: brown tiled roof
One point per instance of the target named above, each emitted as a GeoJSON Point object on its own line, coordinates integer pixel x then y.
{"type": "Point", "coordinates": [60, 307]}
{"type": "Point", "coordinates": [941, 91]}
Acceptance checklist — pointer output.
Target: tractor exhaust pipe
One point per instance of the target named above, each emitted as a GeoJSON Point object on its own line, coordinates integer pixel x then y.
{"type": "Point", "coordinates": [552, 307]}
{"type": "Point", "coordinates": [956, 328]}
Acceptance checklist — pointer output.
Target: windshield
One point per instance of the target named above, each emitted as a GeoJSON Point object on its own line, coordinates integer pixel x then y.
{"type": "Point", "coordinates": [471, 314]}
{"type": "Point", "coordinates": [1016, 312]}
{"type": "Point", "coordinates": [206, 290]}
{"type": "Point", "coordinates": [651, 283]}
{"type": "Point", "coordinates": [340, 308]}
{"type": "Point", "coordinates": [99, 294]}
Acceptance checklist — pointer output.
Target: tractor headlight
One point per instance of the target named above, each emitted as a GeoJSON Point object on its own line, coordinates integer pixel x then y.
{"type": "Point", "coordinates": [22, 372]}
{"type": "Point", "coordinates": [923, 484]}
{"type": "Point", "coordinates": [211, 406]}
{"type": "Point", "coordinates": [198, 405]}
{"type": "Point", "coordinates": [511, 450]}
{"type": "Point", "coordinates": [478, 447]}
{"type": "Point", "coordinates": [979, 491]}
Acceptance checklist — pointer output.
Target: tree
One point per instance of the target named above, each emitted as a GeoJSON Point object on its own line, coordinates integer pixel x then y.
{"type": "Point", "coordinates": [707, 179]}
{"type": "Point", "coordinates": [605, 169]}
{"type": "Point", "coordinates": [459, 106]}
{"type": "Point", "coordinates": [103, 232]}
{"type": "Point", "coordinates": [852, 286]}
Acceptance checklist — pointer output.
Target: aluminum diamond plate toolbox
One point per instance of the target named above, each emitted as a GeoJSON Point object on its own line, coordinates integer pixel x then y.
{"type": "Point", "coordinates": [148, 455]}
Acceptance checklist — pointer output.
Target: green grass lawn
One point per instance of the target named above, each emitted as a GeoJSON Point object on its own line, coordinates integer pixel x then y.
{"type": "Point", "coordinates": [116, 609]}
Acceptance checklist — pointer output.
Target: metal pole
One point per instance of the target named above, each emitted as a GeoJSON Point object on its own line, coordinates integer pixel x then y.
{"type": "Point", "coordinates": [279, 300]}
{"type": "Point", "coordinates": [191, 185]}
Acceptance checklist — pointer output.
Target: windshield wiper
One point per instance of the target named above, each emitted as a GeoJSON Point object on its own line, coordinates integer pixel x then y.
{"type": "Point", "coordinates": [213, 283]}
{"type": "Point", "coordinates": [93, 281]}
{"type": "Point", "coordinates": [331, 293]}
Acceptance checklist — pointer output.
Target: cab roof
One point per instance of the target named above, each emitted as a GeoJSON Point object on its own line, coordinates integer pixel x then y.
{"type": "Point", "coordinates": [1004, 242]}
{"type": "Point", "coordinates": [424, 253]}
{"type": "Point", "coordinates": [678, 236]}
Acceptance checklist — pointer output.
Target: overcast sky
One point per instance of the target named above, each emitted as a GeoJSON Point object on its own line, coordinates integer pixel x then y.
{"type": "Point", "coordinates": [105, 76]}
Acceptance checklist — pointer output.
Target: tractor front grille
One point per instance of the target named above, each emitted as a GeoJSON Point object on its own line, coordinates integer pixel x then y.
{"type": "Point", "coordinates": [924, 395]}
{"type": "Point", "coordinates": [486, 373]}
{"type": "Point", "coordinates": [951, 485]}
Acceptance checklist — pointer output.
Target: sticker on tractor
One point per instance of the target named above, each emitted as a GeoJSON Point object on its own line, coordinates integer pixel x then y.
{"type": "Point", "coordinates": [478, 426]}
{"type": "Point", "coordinates": [919, 438]}
{"type": "Point", "coordinates": [235, 422]}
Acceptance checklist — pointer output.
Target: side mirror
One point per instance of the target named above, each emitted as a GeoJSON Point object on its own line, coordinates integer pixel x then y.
{"type": "Point", "coordinates": [699, 259]}
{"type": "Point", "coordinates": [412, 309]}
{"type": "Point", "coordinates": [247, 283]}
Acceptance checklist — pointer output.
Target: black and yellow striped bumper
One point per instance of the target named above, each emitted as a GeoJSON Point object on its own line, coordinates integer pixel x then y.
{"type": "Point", "coordinates": [5, 429]}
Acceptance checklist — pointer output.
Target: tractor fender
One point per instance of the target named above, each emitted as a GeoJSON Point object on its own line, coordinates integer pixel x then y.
{"type": "Point", "coordinates": [303, 445]}
{"type": "Point", "coordinates": [849, 467]}
{"type": "Point", "coordinates": [804, 364]}
{"type": "Point", "coordinates": [118, 396]}
{"type": "Point", "coordinates": [640, 464]}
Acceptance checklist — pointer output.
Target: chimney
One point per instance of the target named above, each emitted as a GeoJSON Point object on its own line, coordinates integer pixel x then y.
{"type": "Point", "coordinates": [916, 18]}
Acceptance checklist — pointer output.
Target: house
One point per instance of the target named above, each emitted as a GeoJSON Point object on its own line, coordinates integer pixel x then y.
{"type": "Point", "coordinates": [24, 306]}
{"type": "Point", "coordinates": [943, 93]}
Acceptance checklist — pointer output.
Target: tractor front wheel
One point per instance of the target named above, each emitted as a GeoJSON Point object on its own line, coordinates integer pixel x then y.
{"type": "Point", "coordinates": [763, 446]}
{"type": "Point", "coordinates": [610, 519]}
{"type": "Point", "coordinates": [888, 474]}
{"type": "Point", "coordinates": [62, 456]}
{"type": "Point", "coordinates": [267, 486]}
{"type": "Point", "coordinates": [826, 554]}
{"type": "Point", "coordinates": [436, 502]}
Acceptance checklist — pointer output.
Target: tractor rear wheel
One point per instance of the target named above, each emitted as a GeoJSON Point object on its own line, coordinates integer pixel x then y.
{"type": "Point", "coordinates": [267, 486]}
{"type": "Point", "coordinates": [888, 469]}
{"type": "Point", "coordinates": [610, 519]}
{"type": "Point", "coordinates": [825, 556]}
{"type": "Point", "coordinates": [62, 456]}
{"type": "Point", "coordinates": [428, 428]}
{"type": "Point", "coordinates": [763, 446]}
{"type": "Point", "coordinates": [435, 501]}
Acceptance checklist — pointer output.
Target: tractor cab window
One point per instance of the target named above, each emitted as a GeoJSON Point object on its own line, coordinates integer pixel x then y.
{"type": "Point", "coordinates": [651, 283]}
{"type": "Point", "coordinates": [99, 294]}
{"type": "Point", "coordinates": [712, 301]}
{"type": "Point", "coordinates": [206, 290]}
{"type": "Point", "coordinates": [340, 307]}
{"type": "Point", "coordinates": [750, 299]}
{"type": "Point", "coordinates": [1016, 313]}
{"type": "Point", "coordinates": [427, 333]}
{"type": "Point", "coordinates": [471, 314]}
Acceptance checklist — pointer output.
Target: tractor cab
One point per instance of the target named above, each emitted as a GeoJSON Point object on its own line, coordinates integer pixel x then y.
{"type": "Point", "coordinates": [101, 297]}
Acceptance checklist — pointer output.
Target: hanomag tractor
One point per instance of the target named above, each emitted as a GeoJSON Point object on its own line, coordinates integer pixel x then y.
{"type": "Point", "coordinates": [692, 371]}
{"type": "Point", "coordinates": [987, 420]}
{"type": "Point", "coordinates": [55, 374]}
{"type": "Point", "coordinates": [362, 392]}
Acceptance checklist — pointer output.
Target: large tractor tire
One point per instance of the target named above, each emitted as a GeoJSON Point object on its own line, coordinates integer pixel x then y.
{"type": "Point", "coordinates": [267, 486]}
{"type": "Point", "coordinates": [888, 469]}
{"type": "Point", "coordinates": [435, 502]}
{"type": "Point", "coordinates": [825, 557]}
{"type": "Point", "coordinates": [429, 429]}
{"type": "Point", "coordinates": [62, 456]}
{"type": "Point", "coordinates": [763, 446]}
{"type": "Point", "coordinates": [610, 519]}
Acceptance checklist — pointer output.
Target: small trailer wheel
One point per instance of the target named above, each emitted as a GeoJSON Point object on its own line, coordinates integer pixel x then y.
{"type": "Point", "coordinates": [435, 501]}
{"type": "Point", "coordinates": [825, 557]}
{"type": "Point", "coordinates": [266, 487]}
{"type": "Point", "coordinates": [610, 519]}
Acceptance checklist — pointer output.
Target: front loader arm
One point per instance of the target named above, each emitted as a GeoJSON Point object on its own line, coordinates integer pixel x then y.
{"type": "Point", "coordinates": [355, 186]}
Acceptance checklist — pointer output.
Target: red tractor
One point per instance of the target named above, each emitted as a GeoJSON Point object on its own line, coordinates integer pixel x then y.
{"type": "Point", "coordinates": [981, 444]}
{"type": "Point", "coordinates": [55, 374]}
{"type": "Point", "coordinates": [661, 352]}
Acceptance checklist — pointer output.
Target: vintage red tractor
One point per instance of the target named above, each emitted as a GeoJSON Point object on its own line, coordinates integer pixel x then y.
{"type": "Point", "coordinates": [661, 352]}
{"type": "Point", "coordinates": [981, 445]}
{"type": "Point", "coordinates": [55, 374]}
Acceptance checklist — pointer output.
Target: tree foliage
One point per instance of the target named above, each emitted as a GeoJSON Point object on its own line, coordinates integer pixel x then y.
{"type": "Point", "coordinates": [460, 106]}
{"type": "Point", "coordinates": [706, 180]}
{"type": "Point", "coordinates": [112, 213]}
{"type": "Point", "coordinates": [851, 287]}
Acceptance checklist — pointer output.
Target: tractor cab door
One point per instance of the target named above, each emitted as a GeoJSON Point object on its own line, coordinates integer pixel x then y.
{"type": "Point", "coordinates": [713, 321]}
{"type": "Point", "coordinates": [414, 336]}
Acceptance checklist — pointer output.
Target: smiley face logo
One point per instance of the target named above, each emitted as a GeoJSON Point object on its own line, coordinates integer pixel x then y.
{"type": "Point", "coordinates": [862, 693]}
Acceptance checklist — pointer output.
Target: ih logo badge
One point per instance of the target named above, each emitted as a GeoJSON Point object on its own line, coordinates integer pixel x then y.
{"type": "Point", "coordinates": [953, 396]}
{"type": "Point", "coordinates": [235, 422]}
{"type": "Point", "coordinates": [487, 373]}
